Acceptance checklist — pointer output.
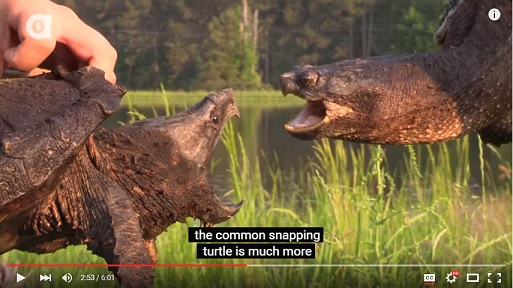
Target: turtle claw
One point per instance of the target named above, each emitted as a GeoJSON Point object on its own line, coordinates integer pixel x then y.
{"type": "Point", "coordinates": [61, 72]}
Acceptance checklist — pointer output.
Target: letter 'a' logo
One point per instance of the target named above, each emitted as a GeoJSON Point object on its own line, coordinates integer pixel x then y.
{"type": "Point", "coordinates": [39, 26]}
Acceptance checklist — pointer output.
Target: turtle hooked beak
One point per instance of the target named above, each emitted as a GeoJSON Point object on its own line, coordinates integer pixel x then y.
{"type": "Point", "coordinates": [232, 110]}
{"type": "Point", "coordinates": [223, 213]}
{"type": "Point", "coordinates": [229, 107]}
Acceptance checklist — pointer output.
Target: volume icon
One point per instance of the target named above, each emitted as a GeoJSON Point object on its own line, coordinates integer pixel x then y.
{"type": "Point", "coordinates": [45, 277]}
{"type": "Point", "coordinates": [67, 277]}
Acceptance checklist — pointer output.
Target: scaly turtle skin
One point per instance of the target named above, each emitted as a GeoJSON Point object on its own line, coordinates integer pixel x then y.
{"type": "Point", "coordinates": [418, 98]}
{"type": "Point", "coordinates": [116, 190]}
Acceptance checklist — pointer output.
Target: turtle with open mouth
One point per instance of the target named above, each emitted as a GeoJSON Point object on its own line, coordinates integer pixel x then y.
{"type": "Point", "coordinates": [417, 98]}
{"type": "Point", "coordinates": [64, 182]}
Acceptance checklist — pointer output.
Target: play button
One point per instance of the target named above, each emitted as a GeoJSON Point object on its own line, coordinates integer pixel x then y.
{"type": "Point", "coordinates": [19, 277]}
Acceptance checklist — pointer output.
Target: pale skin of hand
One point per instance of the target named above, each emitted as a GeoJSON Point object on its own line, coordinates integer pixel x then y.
{"type": "Point", "coordinates": [72, 43]}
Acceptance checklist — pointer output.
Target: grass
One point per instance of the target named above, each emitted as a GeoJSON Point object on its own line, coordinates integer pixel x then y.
{"type": "Point", "coordinates": [432, 217]}
{"type": "Point", "coordinates": [181, 98]}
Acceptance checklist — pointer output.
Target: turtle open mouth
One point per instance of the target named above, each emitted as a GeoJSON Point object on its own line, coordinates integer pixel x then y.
{"type": "Point", "coordinates": [311, 117]}
{"type": "Point", "coordinates": [224, 103]}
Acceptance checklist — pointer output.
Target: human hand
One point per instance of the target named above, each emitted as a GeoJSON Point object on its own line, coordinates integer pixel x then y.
{"type": "Point", "coordinates": [56, 37]}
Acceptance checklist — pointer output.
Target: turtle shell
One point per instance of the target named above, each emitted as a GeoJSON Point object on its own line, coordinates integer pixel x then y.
{"type": "Point", "coordinates": [44, 121]}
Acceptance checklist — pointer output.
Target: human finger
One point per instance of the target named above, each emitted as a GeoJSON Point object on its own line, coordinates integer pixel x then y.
{"type": "Point", "coordinates": [106, 63]}
{"type": "Point", "coordinates": [89, 46]}
{"type": "Point", "coordinates": [36, 37]}
{"type": "Point", "coordinates": [29, 53]}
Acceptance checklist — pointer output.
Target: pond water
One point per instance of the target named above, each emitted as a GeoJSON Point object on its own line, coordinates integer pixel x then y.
{"type": "Point", "coordinates": [262, 132]}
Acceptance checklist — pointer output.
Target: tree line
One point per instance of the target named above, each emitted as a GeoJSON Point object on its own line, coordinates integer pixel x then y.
{"type": "Point", "coordinates": [247, 44]}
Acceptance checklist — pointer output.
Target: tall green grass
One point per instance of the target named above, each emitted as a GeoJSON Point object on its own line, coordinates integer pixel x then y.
{"type": "Point", "coordinates": [432, 217]}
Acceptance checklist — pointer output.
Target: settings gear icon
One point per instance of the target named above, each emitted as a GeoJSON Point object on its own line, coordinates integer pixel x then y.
{"type": "Point", "coordinates": [451, 278]}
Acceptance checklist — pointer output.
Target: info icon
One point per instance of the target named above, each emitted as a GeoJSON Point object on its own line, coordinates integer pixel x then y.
{"type": "Point", "coordinates": [429, 279]}
{"type": "Point", "coordinates": [494, 14]}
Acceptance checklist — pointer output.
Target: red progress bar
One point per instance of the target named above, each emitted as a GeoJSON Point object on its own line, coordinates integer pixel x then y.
{"type": "Point", "coordinates": [127, 265]}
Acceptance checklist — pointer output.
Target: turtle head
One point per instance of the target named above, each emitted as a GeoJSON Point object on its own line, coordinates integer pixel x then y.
{"type": "Point", "coordinates": [189, 136]}
{"type": "Point", "coordinates": [196, 131]}
{"type": "Point", "coordinates": [169, 158]}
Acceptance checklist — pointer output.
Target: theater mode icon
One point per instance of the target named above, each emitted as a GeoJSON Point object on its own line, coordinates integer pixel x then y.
{"type": "Point", "coordinates": [472, 277]}
{"type": "Point", "coordinates": [429, 279]}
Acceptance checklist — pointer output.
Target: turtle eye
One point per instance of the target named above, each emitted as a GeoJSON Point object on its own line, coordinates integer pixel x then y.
{"type": "Point", "coordinates": [215, 119]}
{"type": "Point", "coordinates": [307, 79]}
{"type": "Point", "coordinates": [303, 82]}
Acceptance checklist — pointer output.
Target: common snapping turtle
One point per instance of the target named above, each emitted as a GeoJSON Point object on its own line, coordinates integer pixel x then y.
{"type": "Point", "coordinates": [417, 98]}
{"type": "Point", "coordinates": [116, 190]}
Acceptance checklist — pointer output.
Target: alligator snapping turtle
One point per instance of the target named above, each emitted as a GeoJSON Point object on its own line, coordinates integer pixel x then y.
{"type": "Point", "coordinates": [115, 190]}
{"type": "Point", "coordinates": [418, 98]}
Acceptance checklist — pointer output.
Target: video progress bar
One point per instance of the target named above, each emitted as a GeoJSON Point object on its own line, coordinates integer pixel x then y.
{"type": "Point", "coordinates": [253, 265]}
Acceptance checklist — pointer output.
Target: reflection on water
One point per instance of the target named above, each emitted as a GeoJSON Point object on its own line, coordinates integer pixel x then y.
{"type": "Point", "coordinates": [263, 134]}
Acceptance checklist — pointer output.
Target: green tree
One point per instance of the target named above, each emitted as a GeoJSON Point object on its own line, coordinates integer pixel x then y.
{"type": "Point", "coordinates": [207, 44]}
{"type": "Point", "coordinates": [417, 26]}
{"type": "Point", "coordinates": [228, 58]}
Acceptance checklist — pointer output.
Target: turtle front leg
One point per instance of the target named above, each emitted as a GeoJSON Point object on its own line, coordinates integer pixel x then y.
{"type": "Point", "coordinates": [124, 244]}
